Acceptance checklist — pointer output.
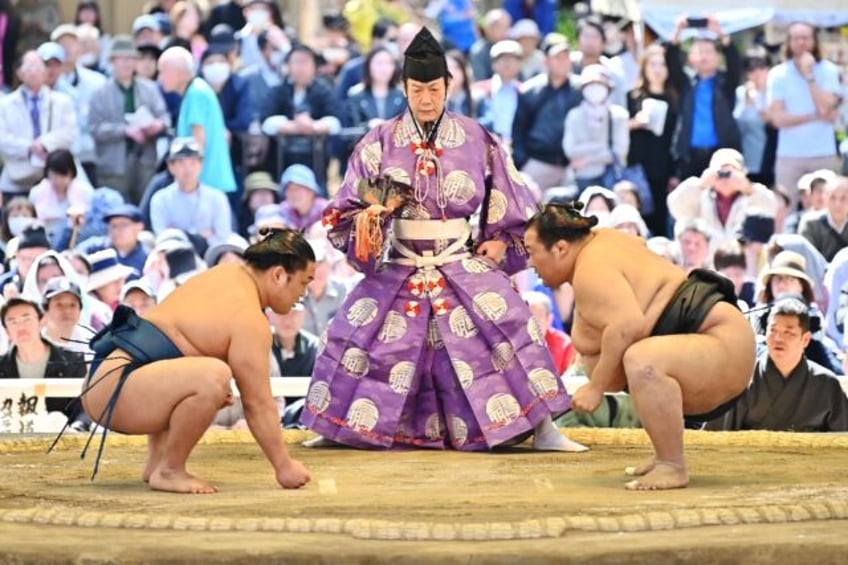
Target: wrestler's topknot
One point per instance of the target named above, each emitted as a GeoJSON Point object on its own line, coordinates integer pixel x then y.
{"type": "Point", "coordinates": [561, 220]}
{"type": "Point", "coordinates": [280, 247]}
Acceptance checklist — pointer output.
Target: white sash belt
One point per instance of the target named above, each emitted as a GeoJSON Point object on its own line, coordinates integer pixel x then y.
{"type": "Point", "coordinates": [431, 229]}
{"type": "Point", "coordinates": [458, 229]}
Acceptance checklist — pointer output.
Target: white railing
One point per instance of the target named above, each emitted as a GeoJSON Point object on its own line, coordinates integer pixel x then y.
{"type": "Point", "coordinates": [61, 388]}
{"type": "Point", "coordinates": [22, 401]}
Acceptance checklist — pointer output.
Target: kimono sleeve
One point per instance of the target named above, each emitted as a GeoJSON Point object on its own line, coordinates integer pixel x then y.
{"type": "Point", "coordinates": [508, 205]}
{"type": "Point", "coordinates": [340, 214]}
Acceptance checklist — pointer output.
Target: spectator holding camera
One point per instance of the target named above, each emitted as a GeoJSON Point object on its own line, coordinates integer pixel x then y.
{"type": "Point", "coordinates": [722, 195]}
{"type": "Point", "coordinates": [706, 103]}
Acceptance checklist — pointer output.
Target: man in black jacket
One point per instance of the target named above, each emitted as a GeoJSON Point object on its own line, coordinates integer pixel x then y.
{"type": "Point", "coordinates": [32, 356]}
{"type": "Point", "coordinates": [539, 124]}
{"type": "Point", "coordinates": [706, 103]}
{"type": "Point", "coordinates": [788, 392]}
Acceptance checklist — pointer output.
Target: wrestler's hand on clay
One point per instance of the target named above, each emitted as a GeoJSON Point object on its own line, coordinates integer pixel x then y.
{"type": "Point", "coordinates": [292, 474]}
{"type": "Point", "coordinates": [587, 398]}
{"type": "Point", "coordinates": [493, 249]}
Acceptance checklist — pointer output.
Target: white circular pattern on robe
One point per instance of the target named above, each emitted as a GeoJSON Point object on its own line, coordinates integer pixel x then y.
{"type": "Point", "coordinates": [502, 355]}
{"type": "Point", "coordinates": [433, 427]}
{"type": "Point", "coordinates": [464, 373]}
{"type": "Point", "coordinates": [434, 336]}
{"type": "Point", "coordinates": [529, 212]}
{"type": "Point", "coordinates": [355, 362]}
{"type": "Point", "coordinates": [397, 174]}
{"type": "Point", "coordinates": [319, 397]}
{"type": "Point", "coordinates": [451, 134]}
{"type": "Point", "coordinates": [502, 409]}
{"type": "Point", "coordinates": [475, 265]}
{"type": "Point", "coordinates": [401, 375]}
{"type": "Point", "coordinates": [490, 305]}
{"type": "Point", "coordinates": [459, 187]}
{"type": "Point", "coordinates": [371, 156]}
{"type": "Point", "coordinates": [461, 323]}
{"type": "Point", "coordinates": [362, 312]}
{"type": "Point", "coordinates": [363, 415]}
{"type": "Point", "coordinates": [394, 327]}
{"type": "Point", "coordinates": [512, 171]}
{"type": "Point", "coordinates": [535, 331]}
{"type": "Point", "coordinates": [322, 343]}
{"type": "Point", "coordinates": [458, 430]}
{"type": "Point", "coordinates": [543, 383]}
{"type": "Point", "coordinates": [497, 206]}
{"type": "Point", "coordinates": [404, 132]}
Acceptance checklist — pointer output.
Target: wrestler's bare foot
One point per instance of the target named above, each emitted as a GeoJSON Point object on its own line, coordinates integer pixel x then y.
{"type": "Point", "coordinates": [149, 467]}
{"type": "Point", "coordinates": [642, 469]}
{"type": "Point", "coordinates": [170, 480]}
{"type": "Point", "coordinates": [321, 441]}
{"type": "Point", "coordinates": [547, 437]}
{"type": "Point", "coordinates": [662, 477]}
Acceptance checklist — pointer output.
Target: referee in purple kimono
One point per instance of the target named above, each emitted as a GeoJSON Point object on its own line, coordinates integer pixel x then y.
{"type": "Point", "coordinates": [433, 348]}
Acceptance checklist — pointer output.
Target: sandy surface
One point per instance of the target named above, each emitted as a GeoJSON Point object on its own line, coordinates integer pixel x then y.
{"type": "Point", "coordinates": [370, 506]}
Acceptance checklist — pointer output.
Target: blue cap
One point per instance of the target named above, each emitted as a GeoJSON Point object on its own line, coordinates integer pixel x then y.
{"type": "Point", "coordinates": [299, 174]}
{"type": "Point", "coordinates": [130, 211]}
{"type": "Point", "coordinates": [51, 50]}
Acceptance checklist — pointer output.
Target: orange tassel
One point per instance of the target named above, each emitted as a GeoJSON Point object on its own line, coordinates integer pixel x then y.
{"type": "Point", "coordinates": [369, 236]}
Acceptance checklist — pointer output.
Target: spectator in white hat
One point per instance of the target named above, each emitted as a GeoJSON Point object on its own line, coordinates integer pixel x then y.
{"type": "Point", "coordinates": [62, 303]}
{"type": "Point", "coordinates": [496, 26]}
{"type": "Point", "coordinates": [721, 196]}
{"type": "Point", "coordinates": [497, 98]}
{"type": "Point", "coordinates": [107, 277]}
{"type": "Point", "coordinates": [138, 295]}
{"type": "Point", "coordinates": [597, 132]}
{"type": "Point", "coordinates": [81, 83]}
{"type": "Point", "coordinates": [230, 250]}
{"type": "Point", "coordinates": [527, 34]}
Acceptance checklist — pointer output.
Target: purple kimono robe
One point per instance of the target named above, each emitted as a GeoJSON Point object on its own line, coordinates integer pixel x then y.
{"type": "Point", "coordinates": [438, 357]}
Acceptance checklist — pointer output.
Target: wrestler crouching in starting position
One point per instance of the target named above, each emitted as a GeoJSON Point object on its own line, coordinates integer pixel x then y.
{"type": "Point", "coordinates": [168, 374]}
{"type": "Point", "coordinates": [679, 345]}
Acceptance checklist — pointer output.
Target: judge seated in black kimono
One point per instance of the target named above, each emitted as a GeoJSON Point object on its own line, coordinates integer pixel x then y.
{"type": "Point", "coordinates": [788, 392]}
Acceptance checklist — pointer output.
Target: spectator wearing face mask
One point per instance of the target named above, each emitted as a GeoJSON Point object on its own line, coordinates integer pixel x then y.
{"type": "Point", "coordinates": [18, 213]}
{"type": "Point", "coordinates": [596, 132]}
{"type": "Point", "coordinates": [233, 93]}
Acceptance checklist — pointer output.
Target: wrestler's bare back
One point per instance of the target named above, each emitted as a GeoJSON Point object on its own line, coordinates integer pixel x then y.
{"type": "Point", "coordinates": [652, 279]}
{"type": "Point", "coordinates": [201, 315]}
